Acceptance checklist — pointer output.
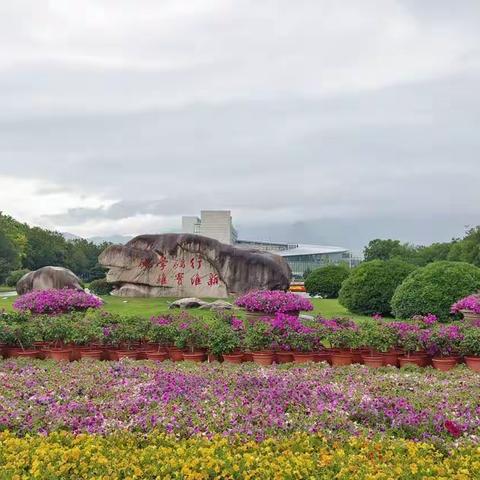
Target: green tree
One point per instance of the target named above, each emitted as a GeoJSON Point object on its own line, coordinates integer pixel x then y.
{"type": "Point", "coordinates": [467, 249]}
{"type": "Point", "coordinates": [9, 258]}
{"type": "Point", "coordinates": [380, 249]}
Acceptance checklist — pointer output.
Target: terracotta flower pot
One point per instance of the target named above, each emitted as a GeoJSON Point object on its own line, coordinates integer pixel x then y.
{"type": "Point", "coordinates": [132, 354]}
{"type": "Point", "coordinates": [444, 363]}
{"type": "Point", "coordinates": [175, 354]}
{"type": "Point", "coordinates": [322, 357]}
{"type": "Point", "coordinates": [340, 359]}
{"type": "Point", "coordinates": [473, 363]}
{"type": "Point", "coordinates": [93, 354]}
{"type": "Point", "coordinates": [357, 356]}
{"type": "Point", "coordinates": [390, 358]}
{"type": "Point", "coordinates": [256, 316]}
{"type": "Point", "coordinates": [235, 358]}
{"type": "Point", "coordinates": [263, 358]}
{"type": "Point", "coordinates": [412, 360]}
{"type": "Point", "coordinates": [247, 357]}
{"type": "Point", "coordinates": [373, 361]}
{"type": "Point", "coordinates": [194, 356]}
{"type": "Point", "coordinates": [157, 356]}
{"type": "Point", "coordinates": [60, 354]}
{"type": "Point", "coordinates": [112, 354]}
{"type": "Point", "coordinates": [27, 353]}
{"type": "Point", "coordinates": [470, 316]}
{"type": "Point", "coordinates": [303, 357]}
{"type": "Point", "coordinates": [283, 357]}
{"type": "Point", "coordinates": [10, 351]}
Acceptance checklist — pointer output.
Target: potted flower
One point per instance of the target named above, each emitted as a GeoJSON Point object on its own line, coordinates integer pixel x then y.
{"type": "Point", "coordinates": [444, 344]}
{"type": "Point", "coordinates": [57, 331]}
{"type": "Point", "coordinates": [284, 328]}
{"type": "Point", "coordinates": [263, 303]}
{"type": "Point", "coordinates": [160, 334]}
{"type": "Point", "coordinates": [23, 336]}
{"type": "Point", "coordinates": [258, 340]}
{"type": "Point", "coordinates": [84, 334]}
{"type": "Point", "coordinates": [469, 307]}
{"type": "Point", "coordinates": [470, 347]}
{"type": "Point", "coordinates": [410, 342]}
{"type": "Point", "coordinates": [191, 337]}
{"type": "Point", "coordinates": [342, 339]}
{"type": "Point", "coordinates": [380, 339]}
{"type": "Point", "coordinates": [224, 341]}
{"type": "Point", "coordinates": [126, 335]}
{"type": "Point", "coordinates": [303, 343]}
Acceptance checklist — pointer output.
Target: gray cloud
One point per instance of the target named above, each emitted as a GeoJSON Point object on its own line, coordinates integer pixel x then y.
{"type": "Point", "coordinates": [320, 120]}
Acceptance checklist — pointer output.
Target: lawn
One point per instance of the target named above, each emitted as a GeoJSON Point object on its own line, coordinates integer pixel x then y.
{"type": "Point", "coordinates": [147, 307]}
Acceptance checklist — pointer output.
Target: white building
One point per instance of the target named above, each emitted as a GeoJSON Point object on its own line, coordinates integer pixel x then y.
{"type": "Point", "coordinates": [217, 224]}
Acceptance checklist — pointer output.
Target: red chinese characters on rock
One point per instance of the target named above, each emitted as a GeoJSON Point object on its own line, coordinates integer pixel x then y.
{"type": "Point", "coordinates": [146, 264]}
{"type": "Point", "coordinates": [179, 278]}
{"type": "Point", "coordinates": [213, 279]}
{"type": "Point", "coordinates": [196, 263]}
{"type": "Point", "coordinates": [162, 279]}
{"type": "Point", "coordinates": [162, 262]}
{"type": "Point", "coordinates": [196, 280]}
{"type": "Point", "coordinates": [179, 263]}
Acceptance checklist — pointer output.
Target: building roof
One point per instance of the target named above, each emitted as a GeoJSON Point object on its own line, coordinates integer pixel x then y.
{"type": "Point", "coordinates": [305, 249]}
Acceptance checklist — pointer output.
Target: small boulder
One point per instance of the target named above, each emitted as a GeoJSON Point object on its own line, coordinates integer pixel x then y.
{"type": "Point", "coordinates": [217, 305]}
{"type": "Point", "coordinates": [188, 303]}
{"type": "Point", "coordinates": [46, 278]}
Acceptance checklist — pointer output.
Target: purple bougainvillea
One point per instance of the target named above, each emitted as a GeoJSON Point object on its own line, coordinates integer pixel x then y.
{"type": "Point", "coordinates": [55, 302]}
{"type": "Point", "coordinates": [274, 301]}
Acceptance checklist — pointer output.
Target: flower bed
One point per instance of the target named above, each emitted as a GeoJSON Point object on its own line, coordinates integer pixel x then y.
{"type": "Point", "coordinates": [125, 455]}
{"type": "Point", "coordinates": [230, 400]}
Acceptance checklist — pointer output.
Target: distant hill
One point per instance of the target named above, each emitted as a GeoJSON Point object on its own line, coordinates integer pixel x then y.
{"type": "Point", "coordinates": [111, 239]}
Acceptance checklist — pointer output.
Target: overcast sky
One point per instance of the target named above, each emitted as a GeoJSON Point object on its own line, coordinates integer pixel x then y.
{"type": "Point", "coordinates": [312, 120]}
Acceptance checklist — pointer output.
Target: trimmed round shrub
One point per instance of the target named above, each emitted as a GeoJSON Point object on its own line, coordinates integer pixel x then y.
{"type": "Point", "coordinates": [434, 288]}
{"type": "Point", "coordinates": [15, 275]}
{"type": "Point", "coordinates": [100, 287]}
{"type": "Point", "coordinates": [326, 281]}
{"type": "Point", "coordinates": [370, 286]}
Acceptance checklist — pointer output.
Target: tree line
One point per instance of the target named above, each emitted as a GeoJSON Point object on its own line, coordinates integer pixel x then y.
{"type": "Point", "coordinates": [466, 249]}
{"type": "Point", "coordinates": [28, 248]}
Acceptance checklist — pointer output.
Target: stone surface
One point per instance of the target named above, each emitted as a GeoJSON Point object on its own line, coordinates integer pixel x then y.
{"type": "Point", "coordinates": [186, 265]}
{"type": "Point", "coordinates": [188, 303]}
{"type": "Point", "coordinates": [218, 305]}
{"type": "Point", "coordinates": [48, 277]}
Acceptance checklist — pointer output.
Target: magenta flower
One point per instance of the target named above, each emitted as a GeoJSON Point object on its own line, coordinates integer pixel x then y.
{"type": "Point", "coordinates": [55, 302]}
{"type": "Point", "coordinates": [274, 301]}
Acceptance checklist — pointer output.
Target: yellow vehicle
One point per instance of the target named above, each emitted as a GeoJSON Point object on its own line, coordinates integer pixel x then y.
{"type": "Point", "coordinates": [297, 287]}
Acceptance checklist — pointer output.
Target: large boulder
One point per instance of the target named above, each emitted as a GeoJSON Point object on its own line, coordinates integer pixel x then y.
{"type": "Point", "coordinates": [46, 278]}
{"type": "Point", "coordinates": [187, 265]}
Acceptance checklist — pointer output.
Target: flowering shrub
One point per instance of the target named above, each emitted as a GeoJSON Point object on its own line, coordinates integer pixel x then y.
{"type": "Point", "coordinates": [444, 341]}
{"type": "Point", "coordinates": [425, 321]}
{"type": "Point", "coordinates": [125, 455]}
{"type": "Point", "coordinates": [470, 343]}
{"type": "Point", "coordinates": [188, 400]}
{"type": "Point", "coordinates": [274, 301]}
{"type": "Point", "coordinates": [472, 303]}
{"type": "Point", "coordinates": [55, 302]}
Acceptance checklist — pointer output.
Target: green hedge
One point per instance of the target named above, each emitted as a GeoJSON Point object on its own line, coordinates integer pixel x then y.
{"type": "Point", "coordinates": [370, 286]}
{"type": "Point", "coordinates": [326, 281]}
{"type": "Point", "coordinates": [100, 287]}
{"type": "Point", "coordinates": [434, 288]}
